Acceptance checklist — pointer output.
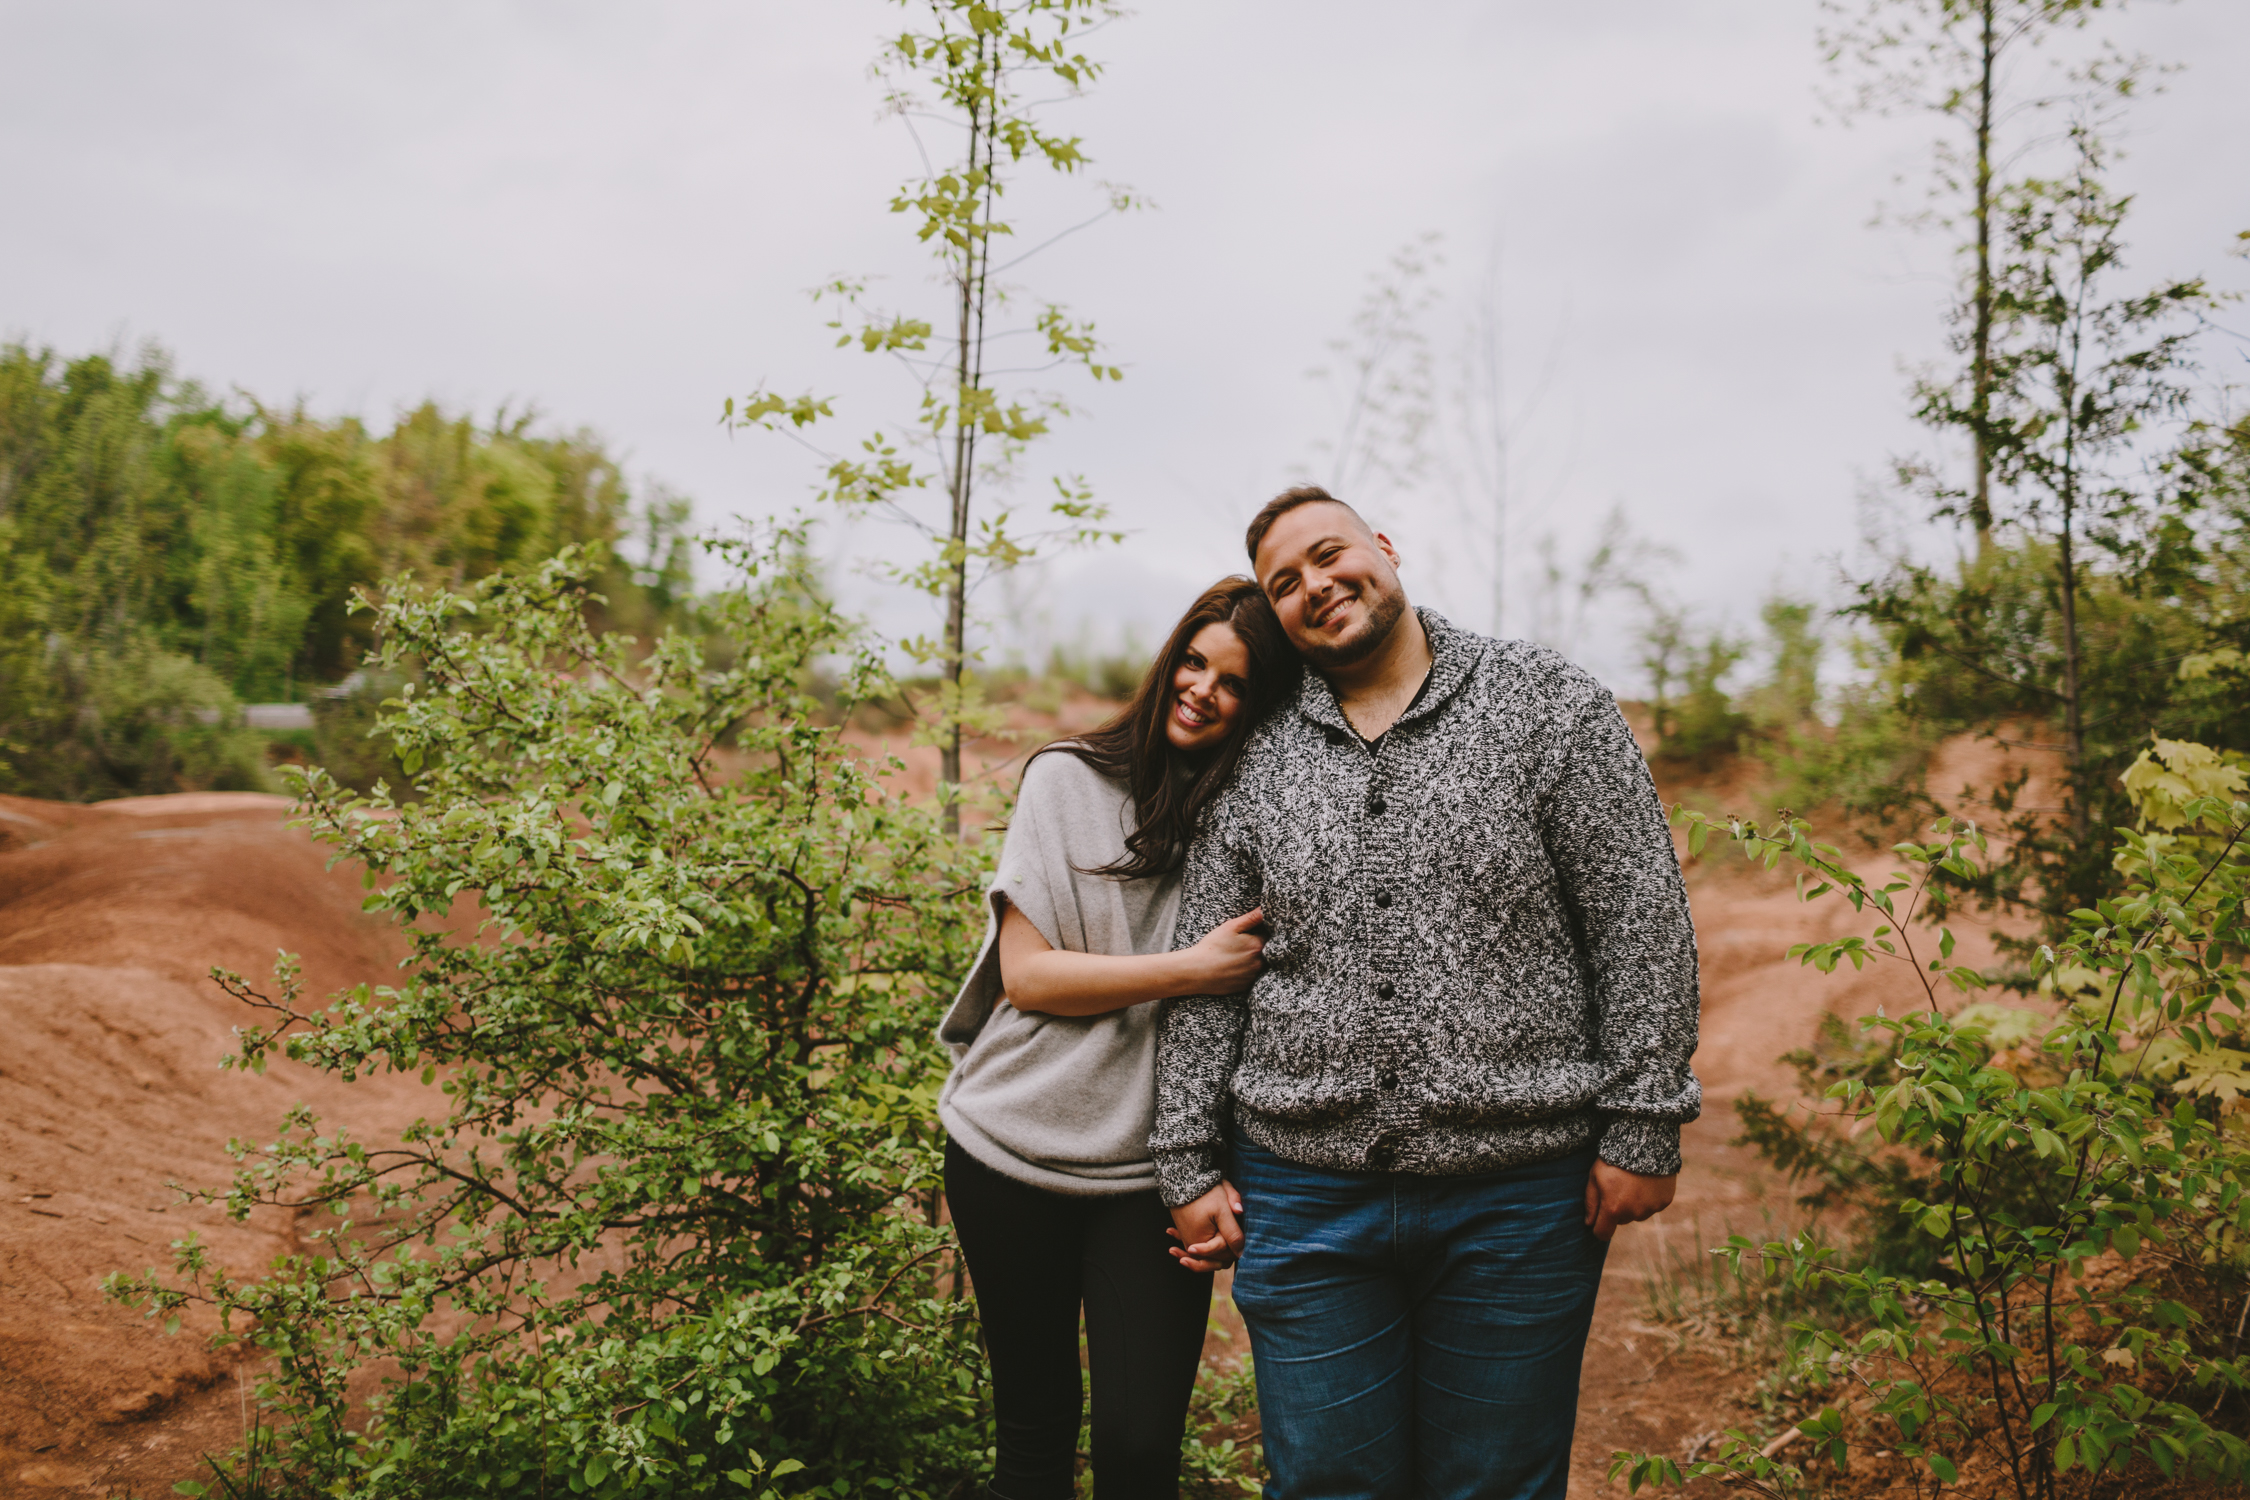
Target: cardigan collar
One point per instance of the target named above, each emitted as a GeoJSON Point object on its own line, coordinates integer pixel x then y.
{"type": "Point", "coordinates": [1454, 654]}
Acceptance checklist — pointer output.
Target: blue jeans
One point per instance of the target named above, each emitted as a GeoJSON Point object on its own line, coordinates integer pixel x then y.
{"type": "Point", "coordinates": [1416, 1338]}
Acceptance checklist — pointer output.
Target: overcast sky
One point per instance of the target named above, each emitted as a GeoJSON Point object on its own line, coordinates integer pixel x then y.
{"type": "Point", "coordinates": [612, 212]}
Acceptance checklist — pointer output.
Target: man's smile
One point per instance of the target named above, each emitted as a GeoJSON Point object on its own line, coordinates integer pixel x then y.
{"type": "Point", "coordinates": [1327, 613]}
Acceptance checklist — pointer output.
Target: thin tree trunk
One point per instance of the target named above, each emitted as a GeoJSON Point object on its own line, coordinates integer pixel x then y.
{"type": "Point", "coordinates": [2074, 723]}
{"type": "Point", "coordinates": [2074, 727]}
{"type": "Point", "coordinates": [968, 376]}
{"type": "Point", "coordinates": [1980, 355]}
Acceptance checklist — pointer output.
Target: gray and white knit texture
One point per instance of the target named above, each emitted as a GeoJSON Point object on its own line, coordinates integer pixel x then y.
{"type": "Point", "coordinates": [1480, 951]}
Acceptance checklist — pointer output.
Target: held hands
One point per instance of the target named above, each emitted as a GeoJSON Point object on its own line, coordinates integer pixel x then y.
{"type": "Point", "coordinates": [1208, 1230]}
{"type": "Point", "coordinates": [1230, 955]}
{"type": "Point", "coordinates": [1614, 1196]}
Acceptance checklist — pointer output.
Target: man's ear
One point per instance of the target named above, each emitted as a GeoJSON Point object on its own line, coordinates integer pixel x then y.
{"type": "Point", "coordinates": [1384, 543]}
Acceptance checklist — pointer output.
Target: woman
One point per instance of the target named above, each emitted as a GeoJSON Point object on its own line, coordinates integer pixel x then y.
{"type": "Point", "coordinates": [1048, 1107]}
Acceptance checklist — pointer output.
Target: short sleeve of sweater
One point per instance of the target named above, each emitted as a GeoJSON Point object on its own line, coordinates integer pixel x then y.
{"type": "Point", "coordinates": [1047, 843]}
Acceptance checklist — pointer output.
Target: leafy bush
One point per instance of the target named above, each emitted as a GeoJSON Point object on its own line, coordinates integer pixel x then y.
{"type": "Point", "coordinates": [1702, 723]}
{"type": "Point", "coordinates": [1971, 652]}
{"type": "Point", "coordinates": [349, 739]}
{"type": "Point", "coordinates": [84, 723]}
{"type": "Point", "coordinates": [675, 1233]}
{"type": "Point", "coordinates": [2085, 1186]}
{"type": "Point", "coordinates": [146, 528]}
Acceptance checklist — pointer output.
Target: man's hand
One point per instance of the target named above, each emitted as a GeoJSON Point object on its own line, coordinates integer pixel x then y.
{"type": "Point", "coordinates": [1207, 1230]}
{"type": "Point", "coordinates": [1614, 1196]}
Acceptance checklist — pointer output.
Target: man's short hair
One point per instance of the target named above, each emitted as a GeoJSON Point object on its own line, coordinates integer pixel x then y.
{"type": "Point", "coordinates": [1283, 503]}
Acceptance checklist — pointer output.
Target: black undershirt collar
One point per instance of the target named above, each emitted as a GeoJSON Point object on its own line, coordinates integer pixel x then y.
{"type": "Point", "coordinates": [1411, 704]}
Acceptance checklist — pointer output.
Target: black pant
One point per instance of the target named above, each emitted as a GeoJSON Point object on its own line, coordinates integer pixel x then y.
{"type": "Point", "coordinates": [1034, 1257]}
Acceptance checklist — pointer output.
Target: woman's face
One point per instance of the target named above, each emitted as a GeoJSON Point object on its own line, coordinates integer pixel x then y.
{"type": "Point", "coordinates": [1209, 688]}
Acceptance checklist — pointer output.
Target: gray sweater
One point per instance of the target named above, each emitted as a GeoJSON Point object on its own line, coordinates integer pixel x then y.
{"type": "Point", "coordinates": [1061, 1102]}
{"type": "Point", "coordinates": [1480, 950]}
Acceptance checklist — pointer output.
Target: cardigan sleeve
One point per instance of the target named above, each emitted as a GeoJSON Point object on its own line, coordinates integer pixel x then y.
{"type": "Point", "coordinates": [1605, 831]}
{"type": "Point", "coordinates": [1199, 1037]}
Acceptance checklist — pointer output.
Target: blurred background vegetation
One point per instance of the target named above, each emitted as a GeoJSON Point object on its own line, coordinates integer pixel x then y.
{"type": "Point", "coordinates": [168, 557]}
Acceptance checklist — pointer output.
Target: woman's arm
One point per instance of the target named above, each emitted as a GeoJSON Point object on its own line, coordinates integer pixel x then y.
{"type": "Point", "coordinates": [1059, 982]}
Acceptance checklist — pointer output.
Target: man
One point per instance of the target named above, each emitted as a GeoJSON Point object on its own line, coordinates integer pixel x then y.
{"type": "Point", "coordinates": [1466, 1060]}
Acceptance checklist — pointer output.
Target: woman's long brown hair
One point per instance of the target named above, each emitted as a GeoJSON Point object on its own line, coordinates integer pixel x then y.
{"type": "Point", "coordinates": [1171, 789]}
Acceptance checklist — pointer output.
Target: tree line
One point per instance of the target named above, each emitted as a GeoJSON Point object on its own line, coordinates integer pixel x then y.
{"type": "Point", "coordinates": [167, 556]}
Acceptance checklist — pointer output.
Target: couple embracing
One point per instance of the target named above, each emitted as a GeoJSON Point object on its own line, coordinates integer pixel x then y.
{"type": "Point", "coordinates": [1353, 954]}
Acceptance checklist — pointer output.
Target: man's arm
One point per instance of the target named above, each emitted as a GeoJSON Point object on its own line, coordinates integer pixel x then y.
{"type": "Point", "coordinates": [1606, 833]}
{"type": "Point", "coordinates": [1199, 1037]}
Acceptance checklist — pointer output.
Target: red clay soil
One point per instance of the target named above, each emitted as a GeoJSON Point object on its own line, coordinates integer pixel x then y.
{"type": "Point", "coordinates": [111, 916]}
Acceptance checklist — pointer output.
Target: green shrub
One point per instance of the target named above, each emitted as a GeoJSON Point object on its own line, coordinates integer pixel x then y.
{"type": "Point", "coordinates": [2087, 1193]}
{"type": "Point", "coordinates": [675, 1231]}
{"type": "Point", "coordinates": [123, 720]}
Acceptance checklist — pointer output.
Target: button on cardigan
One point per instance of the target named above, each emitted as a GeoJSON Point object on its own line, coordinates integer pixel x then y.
{"type": "Point", "coordinates": [1480, 953]}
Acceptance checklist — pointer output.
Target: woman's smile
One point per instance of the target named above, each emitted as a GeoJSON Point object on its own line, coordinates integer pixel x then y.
{"type": "Point", "coordinates": [1208, 687]}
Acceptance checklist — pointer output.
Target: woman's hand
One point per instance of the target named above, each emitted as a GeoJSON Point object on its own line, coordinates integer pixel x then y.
{"type": "Point", "coordinates": [1229, 956]}
{"type": "Point", "coordinates": [1059, 982]}
{"type": "Point", "coordinates": [1207, 1229]}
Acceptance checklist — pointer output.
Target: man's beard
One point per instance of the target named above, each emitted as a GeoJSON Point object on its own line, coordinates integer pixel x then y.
{"type": "Point", "coordinates": [1384, 608]}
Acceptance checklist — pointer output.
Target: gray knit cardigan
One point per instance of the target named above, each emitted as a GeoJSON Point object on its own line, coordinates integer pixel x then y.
{"type": "Point", "coordinates": [1480, 951]}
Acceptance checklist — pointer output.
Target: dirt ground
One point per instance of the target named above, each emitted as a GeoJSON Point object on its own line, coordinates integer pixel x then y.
{"type": "Point", "coordinates": [110, 1090]}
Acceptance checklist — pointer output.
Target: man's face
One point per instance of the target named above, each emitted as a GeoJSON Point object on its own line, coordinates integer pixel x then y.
{"type": "Point", "coordinates": [1333, 583]}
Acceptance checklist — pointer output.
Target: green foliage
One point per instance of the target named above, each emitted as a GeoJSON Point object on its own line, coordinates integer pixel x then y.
{"type": "Point", "coordinates": [1976, 647]}
{"type": "Point", "coordinates": [145, 720]}
{"type": "Point", "coordinates": [675, 1232]}
{"type": "Point", "coordinates": [983, 70]}
{"type": "Point", "coordinates": [1748, 1316]}
{"type": "Point", "coordinates": [1113, 675]}
{"type": "Point", "coordinates": [1221, 1457]}
{"type": "Point", "coordinates": [1790, 695]}
{"type": "Point", "coordinates": [168, 556]}
{"type": "Point", "coordinates": [1705, 724]}
{"type": "Point", "coordinates": [1700, 723]}
{"type": "Point", "coordinates": [1865, 755]}
{"type": "Point", "coordinates": [350, 741]}
{"type": "Point", "coordinates": [2085, 1187]}
{"type": "Point", "coordinates": [2107, 522]}
{"type": "Point", "coordinates": [1838, 1171]}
